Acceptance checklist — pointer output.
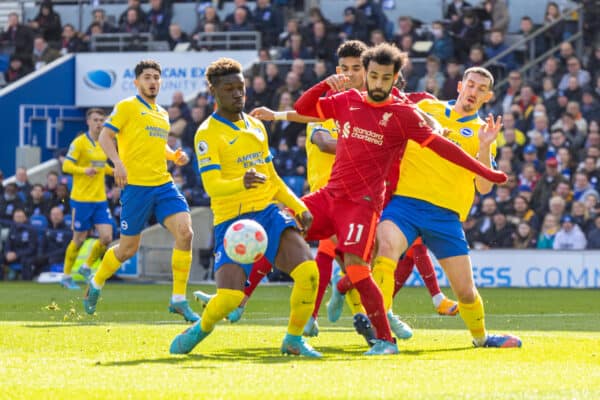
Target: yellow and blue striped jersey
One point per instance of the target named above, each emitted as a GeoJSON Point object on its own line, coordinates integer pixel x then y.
{"type": "Point", "coordinates": [85, 152]}
{"type": "Point", "coordinates": [142, 130]}
{"type": "Point", "coordinates": [318, 163]}
{"type": "Point", "coordinates": [426, 176]}
{"type": "Point", "coordinates": [225, 150]}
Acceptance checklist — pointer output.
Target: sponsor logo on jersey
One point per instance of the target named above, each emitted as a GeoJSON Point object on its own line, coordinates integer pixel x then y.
{"type": "Point", "coordinates": [466, 132]}
{"type": "Point", "coordinates": [385, 118]}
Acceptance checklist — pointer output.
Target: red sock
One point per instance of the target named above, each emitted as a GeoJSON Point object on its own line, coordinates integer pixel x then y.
{"type": "Point", "coordinates": [324, 262]}
{"type": "Point", "coordinates": [426, 269]}
{"type": "Point", "coordinates": [344, 284]}
{"type": "Point", "coordinates": [260, 268]}
{"type": "Point", "coordinates": [372, 300]}
{"type": "Point", "coordinates": [403, 270]}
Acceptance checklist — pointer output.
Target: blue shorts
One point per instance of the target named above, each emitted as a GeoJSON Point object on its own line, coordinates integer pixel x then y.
{"type": "Point", "coordinates": [271, 218]}
{"type": "Point", "coordinates": [140, 202]}
{"type": "Point", "coordinates": [439, 227]}
{"type": "Point", "coordinates": [87, 214]}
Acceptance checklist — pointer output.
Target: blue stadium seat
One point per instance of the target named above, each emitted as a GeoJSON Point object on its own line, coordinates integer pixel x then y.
{"type": "Point", "coordinates": [56, 268]}
{"type": "Point", "coordinates": [4, 62]}
{"type": "Point", "coordinates": [39, 222]}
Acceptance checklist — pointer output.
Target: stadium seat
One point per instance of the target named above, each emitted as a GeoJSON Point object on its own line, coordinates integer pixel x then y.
{"type": "Point", "coordinates": [39, 222]}
{"type": "Point", "coordinates": [56, 268]}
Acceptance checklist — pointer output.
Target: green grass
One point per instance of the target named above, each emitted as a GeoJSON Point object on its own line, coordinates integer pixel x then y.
{"type": "Point", "coordinates": [123, 351]}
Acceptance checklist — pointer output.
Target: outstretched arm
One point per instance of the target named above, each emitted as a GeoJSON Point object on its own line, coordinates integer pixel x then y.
{"type": "Point", "coordinates": [266, 114]}
{"type": "Point", "coordinates": [417, 129]}
{"type": "Point", "coordinates": [215, 185]}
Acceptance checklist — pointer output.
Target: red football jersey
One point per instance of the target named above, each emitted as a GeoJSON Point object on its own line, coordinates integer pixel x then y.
{"type": "Point", "coordinates": [392, 180]}
{"type": "Point", "coordinates": [370, 138]}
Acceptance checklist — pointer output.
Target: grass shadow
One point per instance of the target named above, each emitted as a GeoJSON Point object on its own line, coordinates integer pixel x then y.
{"type": "Point", "coordinates": [266, 355]}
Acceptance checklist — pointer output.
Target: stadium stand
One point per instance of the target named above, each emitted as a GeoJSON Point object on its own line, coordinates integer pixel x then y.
{"type": "Point", "coordinates": [545, 57]}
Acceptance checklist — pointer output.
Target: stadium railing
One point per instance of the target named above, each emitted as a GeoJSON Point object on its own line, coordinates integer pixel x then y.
{"type": "Point", "coordinates": [250, 40]}
{"type": "Point", "coordinates": [126, 42]}
{"type": "Point", "coordinates": [528, 42]}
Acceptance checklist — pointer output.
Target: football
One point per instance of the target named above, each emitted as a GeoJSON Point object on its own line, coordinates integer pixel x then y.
{"type": "Point", "coordinates": [245, 241]}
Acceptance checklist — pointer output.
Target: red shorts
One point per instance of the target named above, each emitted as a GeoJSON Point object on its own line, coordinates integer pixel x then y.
{"type": "Point", "coordinates": [352, 223]}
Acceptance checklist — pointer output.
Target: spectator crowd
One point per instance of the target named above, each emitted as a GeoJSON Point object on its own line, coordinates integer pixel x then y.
{"type": "Point", "coordinates": [549, 145]}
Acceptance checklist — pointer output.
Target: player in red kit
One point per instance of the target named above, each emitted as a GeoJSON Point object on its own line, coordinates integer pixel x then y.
{"type": "Point", "coordinates": [373, 130]}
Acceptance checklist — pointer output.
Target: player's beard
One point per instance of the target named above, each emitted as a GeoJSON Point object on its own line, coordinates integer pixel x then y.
{"type": "Point", "coordinates": [149, 94]}
{"type": "Point", "coordinates": [378, 95]}
{"type": "Point", "coordinates": [467, 107]}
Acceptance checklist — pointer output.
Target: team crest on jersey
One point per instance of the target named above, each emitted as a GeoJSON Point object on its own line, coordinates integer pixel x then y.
{"type": "Point", "coordinates": [202, 147]}
{"type": "Point", "coordinates": [346, 130]}
{"type": "Point", "coordinates": [124, 225]}
{"type": "Point", "coordinates": [385, 118]}
{"type": "Point", "coordinates": [466, 132]}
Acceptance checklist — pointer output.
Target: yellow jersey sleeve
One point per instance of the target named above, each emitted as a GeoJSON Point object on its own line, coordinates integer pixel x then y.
{"type": "Point", "coordinates": [70, 164]}
{"type": "Point", "coordinates": [141, 130]}
{"type": "Point", "coordinates": [426, 176]}
{"type": "Point", "coordinates": [86, 153]}
{"type": "Point", "coordinates": [74, 151]}
{"type": "Point", "coordinates": [118, 117]}
{"type": "Point", "coordinates": [318, 164]}
{"type": "Point", "coordinates": [225, 150]}
{"type": "Point", "coordinates": [209, 167]}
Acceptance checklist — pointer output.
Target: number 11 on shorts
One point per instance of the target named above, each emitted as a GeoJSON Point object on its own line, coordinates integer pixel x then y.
{"type": "Point", "coordinates": [354, 234]}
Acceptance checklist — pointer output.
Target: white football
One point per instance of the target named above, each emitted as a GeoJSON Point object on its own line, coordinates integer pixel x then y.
{"type": "Point", "coordinates": [245, 241]}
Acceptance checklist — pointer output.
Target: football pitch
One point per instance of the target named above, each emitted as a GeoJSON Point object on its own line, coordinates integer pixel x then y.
{"type": "Point", "coordinates": [50, 350]}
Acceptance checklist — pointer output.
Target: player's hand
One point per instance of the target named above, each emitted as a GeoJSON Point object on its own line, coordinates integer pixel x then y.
{"type": "Point", "coordinates": [263, 113]}
{"type": "Point", "coordinates": [120, 174]}
{"type": "Point", "coordinates": [181, 157]}
{"type": "Point", "coordinates": [305, 220]}
{"type": "Point", "coordinates": [338, 82]}
{"type": "Point", "coordinates": [489, 131]}
{"type": "Point", "coordinates": [252, 179]}
{"type": "Point", "coordinates": [91, 171]}
{"type": "Point", "coordinates": [445, 132]}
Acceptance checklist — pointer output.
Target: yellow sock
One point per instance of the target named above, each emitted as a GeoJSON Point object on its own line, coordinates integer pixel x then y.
{"type": "Point", "coordinates": [353, 301]}
{"type": "Point", "coordinates": [97, 251]}
{"type": "Point", "coordinates": [383, 275]}
{"type": "Point", "coordinates": [181, 261]}
{"type": "Point", "coordinates": [70, 256]}
{"type": "Point", "coordinates": [304, 294]}
{"type": "Point", "coordinates": [224, 302]}
{"type": "Point", "coordinates": [109, 265]}
{"type": "Point", "coordinates": [474, 317]}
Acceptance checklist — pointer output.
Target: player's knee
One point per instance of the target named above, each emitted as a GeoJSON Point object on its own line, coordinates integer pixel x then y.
{"type": "Point", "coordinates": [125, 252]}
{"type": "Point", "coordinates": [387, 247]}
{"type": "Point", "coordinates": [185, 234]}
{"type": "Point", "coordinates": [466, 295]}
{"type": "Point", "coordinates": [105, 239]}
